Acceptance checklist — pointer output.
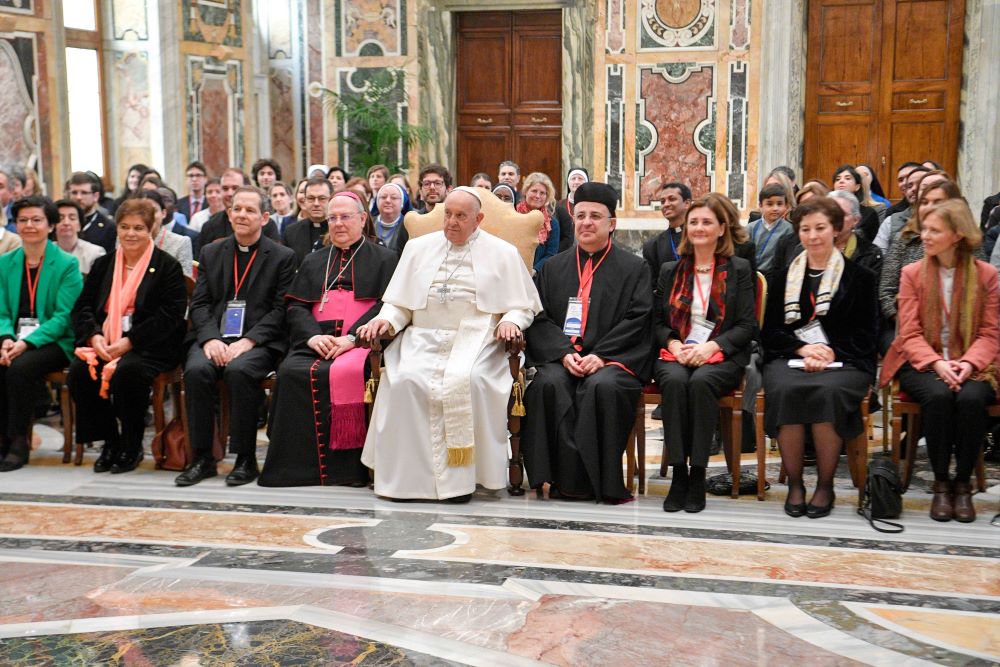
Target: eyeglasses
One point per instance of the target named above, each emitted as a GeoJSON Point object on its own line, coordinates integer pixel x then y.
{"type": "Point", "coordinates": [33, 221]}
{"type": "Point", "coordinates": [334, 219]}
{"type": "Point", "coordinates": [432, 184]}
{"type": "Point", "coordinates": [196, 174]}
{"type": "Point", "coordinates": [312, 199]}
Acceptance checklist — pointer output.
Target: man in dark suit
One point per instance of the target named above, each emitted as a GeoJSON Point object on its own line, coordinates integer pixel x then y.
{"type": "Point", "coordinates": [237, 315]}
{"type": "Point", "coordinates": [674, 201]}
{"type": "Point", "coordinates": [197, 177]}
{"type": "Point", "coordinates": [218, 226]}
{"type": "Point", "coordinates": [96, 227]}
{"type": "Point", "coordinates": [306, 235]}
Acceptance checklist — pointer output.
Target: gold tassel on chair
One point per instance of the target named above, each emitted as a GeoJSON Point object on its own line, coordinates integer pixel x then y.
{"type": "Point", "coordinates": [370, 388]}
{"type": "Point", "coordinates": [518, 408]}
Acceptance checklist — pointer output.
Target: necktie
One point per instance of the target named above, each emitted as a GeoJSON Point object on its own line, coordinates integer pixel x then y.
{"type": "Point", "coordinates": [195, 205]}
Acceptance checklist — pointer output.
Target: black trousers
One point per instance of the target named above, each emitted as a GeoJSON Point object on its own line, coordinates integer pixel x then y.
{"type": "Point", "coordinates": [129, 392]}
{"type": "Point", "coordinates": [22, 386]}
{"type": "Point", "coordinates": [950, 420]}
{"type": "Point", "coordinates": [242, 378]}
{"type": "Point", "coordinates": [691, 406]}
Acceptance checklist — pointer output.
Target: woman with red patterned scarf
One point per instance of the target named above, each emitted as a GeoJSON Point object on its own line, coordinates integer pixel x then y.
{"type": "Point", "coordinates": [703, 319]}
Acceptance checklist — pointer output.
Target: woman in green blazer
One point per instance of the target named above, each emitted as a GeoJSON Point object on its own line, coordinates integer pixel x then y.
{"type": "Point", "coordinates": [39, 284]}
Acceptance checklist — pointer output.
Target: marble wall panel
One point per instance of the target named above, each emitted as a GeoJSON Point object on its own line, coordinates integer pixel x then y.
{"type": "Point", "coordinates": [737, 136]}
{"type": "Point", "coordinates": [676, 108]}
{"type": "Point", "coordinates": [614, 41]}
{"type": "Point", "coordinates": [282, 117]}
{"type": "Point", "coordinates": [279, 29]}
{"type": "Point", "coordinates": [19, 126]}
{"type": "Point", "coordinates": [676, 24]}
{"type": "Point", "coordinates": [215, 112]}
{"type": "Point", "coordinates": [314, 76]}
{"type": "Point", "coordinates": [371, 28]}
{"type": "Point", "coordinates": [18, 6]}
{"type": "Point", "coordinates": [130, 106]}
{"type": "Point", "coordinates": [615, 126]}
{"type": "Point", "coordinates": [578, 99]}
{"type": "Point", "coordinates": [129, 20]}
{"type": "Point", "coordinates": [435, 44]}
{"type": "Point", "coordinates": [739, 24]}
{"type": "Point", "coordinates": [213, 21]}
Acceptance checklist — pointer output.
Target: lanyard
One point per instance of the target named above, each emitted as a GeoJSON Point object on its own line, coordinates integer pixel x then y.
{"type": "Point", "coordinates": [586, 277]}
{"type": "Point", "coordinates": [761, 250]}
{"type": "Point", "coordinates": [701, 295]}
{"type": "Point", "coordinates": [239, 281]}
{"type": "Point", "coordinates": [33, 287]}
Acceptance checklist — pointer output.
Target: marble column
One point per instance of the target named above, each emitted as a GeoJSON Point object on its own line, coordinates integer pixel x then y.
{"type": "Point", "coordinates": [782, 86]}
{"type": "Point", "coordinates": [436, 58]}
{"type": "Point", "coordinates": [979, 143]}
{"type": "Point", "coordinates": [577, 78]}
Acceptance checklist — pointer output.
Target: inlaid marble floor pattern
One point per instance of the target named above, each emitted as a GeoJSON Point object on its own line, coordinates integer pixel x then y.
{"type": "Point", "coordinates": [132, 570]}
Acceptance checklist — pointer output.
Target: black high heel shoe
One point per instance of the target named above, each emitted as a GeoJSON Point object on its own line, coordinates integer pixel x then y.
{"type": "Point", "coordinates": [797, 509]}
{"type": "Point", "coordinates": [818, 512]}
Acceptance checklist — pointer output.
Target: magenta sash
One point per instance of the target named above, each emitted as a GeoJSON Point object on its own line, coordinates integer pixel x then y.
{"type": "Point", "coordinates": [347, 373]}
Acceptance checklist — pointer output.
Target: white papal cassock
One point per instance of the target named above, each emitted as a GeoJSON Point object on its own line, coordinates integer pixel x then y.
{"type": "Point", "coordinates": [439, 424]}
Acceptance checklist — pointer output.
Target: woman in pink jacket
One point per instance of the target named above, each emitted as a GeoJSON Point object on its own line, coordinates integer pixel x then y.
{"type": "Point", "coordinates": [945, 354]}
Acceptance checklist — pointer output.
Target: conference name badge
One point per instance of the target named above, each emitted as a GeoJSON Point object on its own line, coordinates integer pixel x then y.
{"type": "Point", "coordinates": [26, 326]}
{"type": "Point", "coordinates": [812, 334]}
{"type": "Point", "coordinates": [701, 331]}
{"type": "Point", "coordinates": [232, 319]}
{"type": "Point", "coordinates": [574, 317]}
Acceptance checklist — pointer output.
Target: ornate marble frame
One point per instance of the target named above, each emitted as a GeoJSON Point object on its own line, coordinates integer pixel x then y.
{"type": "Point", "coordinates": [436, 74]}
{"type": "Point", "coordinates": [231, 73]}
{"type": "Point", "coordinates": [31, 129]}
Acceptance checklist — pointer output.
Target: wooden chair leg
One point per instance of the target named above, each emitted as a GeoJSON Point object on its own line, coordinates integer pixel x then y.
{"type": "Point", "coordinates": [981, 471]}
{"type": "Point", "coordinates": [761, 449]}
{"type": "Point", "coordinates": [886, 403]}
{"type": "Point", "coordinates": [630, 460]}
{"type": "Point", "coordinates": [736, 449]}
{"type": "Point", "coordinates": [857, 459]}
{"type": "Point", "coordinates": [66, 407]}
{"type": "Point", "coordinates": [640, 446]}
{"type": "Point", "coordinates": [897, 437]}
{"type": "Point", "coordinates": [159, 419]}
{"type": "Point", "coordinates": [912, 438]}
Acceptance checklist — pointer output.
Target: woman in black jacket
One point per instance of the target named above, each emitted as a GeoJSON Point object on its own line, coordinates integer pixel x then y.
{"type": "Point", "coordinates": [703, 315]}
{"type": "Point", "coordinates": [129, 325]}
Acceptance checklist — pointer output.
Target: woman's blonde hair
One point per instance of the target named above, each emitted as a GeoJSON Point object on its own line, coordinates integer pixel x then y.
{"type": "Point", "coordinates": [550, 189]}
{"type": "Point", "coordinates": [717, 204]}
{"type": "Point", "coordinates": [951, 189]}
{"type": "Point", "coordinates": [815, 188]}
{"type": "Point", "coordinates": [956, 214]}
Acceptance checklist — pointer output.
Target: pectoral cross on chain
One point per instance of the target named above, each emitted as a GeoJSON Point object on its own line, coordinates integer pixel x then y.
{"type": "Point", "coordinates": [443, 293]}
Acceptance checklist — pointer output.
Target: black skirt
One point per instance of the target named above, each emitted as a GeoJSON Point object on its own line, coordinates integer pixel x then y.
{"type": "Point", "coordinates": [793, 396]}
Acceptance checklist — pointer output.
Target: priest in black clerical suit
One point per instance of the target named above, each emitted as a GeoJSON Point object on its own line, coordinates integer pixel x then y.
{"type": "Point", "coordinates": [306, 235]}
{"type": "Point", "coordinates": [237, 315]}
{"type": "Point", "coordinates": [317, 424]}
{"type": "Point", "coordinates": [591, 351]}
{"type": "Point", "coordinates": [219, 226]}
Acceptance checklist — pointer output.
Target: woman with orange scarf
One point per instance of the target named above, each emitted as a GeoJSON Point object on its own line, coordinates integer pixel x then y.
{"type": "Point", "coordinates": [703, 325]}
{"type": "Point", "coordinates": [540, 195]}
{"type": "Point", "coordinates": [129, 324]}
{"type": "Point", "coordinates": [947, 351]}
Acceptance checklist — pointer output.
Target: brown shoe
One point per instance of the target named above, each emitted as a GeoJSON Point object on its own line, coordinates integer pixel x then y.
{"type": "Point", "coordinates": [965, 511]}
{"type": "Point", "coordinates": [942, 508]}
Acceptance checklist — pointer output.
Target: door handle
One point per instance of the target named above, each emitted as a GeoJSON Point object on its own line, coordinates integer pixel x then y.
{"type": "Point", "coordinates": [883, 160]}
{"type": "Point", "coordinates": [484, 121]}
{"type": "Point", "coordinates": [845, 104]}
{"type": "Point", "coordinates": [536, 119]}
{"type": "Point", "coordinates": [922, 100]}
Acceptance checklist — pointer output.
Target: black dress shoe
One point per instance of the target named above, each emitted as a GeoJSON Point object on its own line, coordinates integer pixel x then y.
{"type": "Point", "coordinates": [244, 472]}
{"type": "Point", "coordinates": [657, 413]}
{"type": "Point", "coordinates": [197, 471]}
{"type": "Point", "coordinates": [458, 500]}
{"type": "Point", "coordinates": [674, 502]}
{"type": "Point", "coordinates": [694, 499]}
{"type": "Point", "coordinates": [795, 510]}
{"type": "Point", "coordinates": [127, 462]}
{"type": "Point", "coordinates": [817, 512]}
{"type": "Point", "coordinates": [105, 460]}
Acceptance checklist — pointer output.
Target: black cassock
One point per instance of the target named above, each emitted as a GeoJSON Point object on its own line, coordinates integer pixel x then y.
{"type": "Point", "coordinates": [299, 424]}
{"type": "Point", "coordinates": [575, 430]}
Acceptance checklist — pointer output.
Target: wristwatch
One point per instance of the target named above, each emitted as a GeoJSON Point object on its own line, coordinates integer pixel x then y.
{"type": "Point", "coordinates": [351, 338]}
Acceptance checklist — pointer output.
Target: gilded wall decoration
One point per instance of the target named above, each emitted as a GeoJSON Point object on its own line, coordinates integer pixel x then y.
{"type": "Point", "coordinates": [371, 28]}
{"type": "Point", "coordinates": [213, 21]}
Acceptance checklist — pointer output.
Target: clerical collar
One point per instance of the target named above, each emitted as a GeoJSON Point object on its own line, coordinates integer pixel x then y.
{"type": "Point", "coordinates": [248, 248]}
{"type": "Point", "coordinates": [584, 255]}
{"type": "Point", "coordinates": [351, 248]}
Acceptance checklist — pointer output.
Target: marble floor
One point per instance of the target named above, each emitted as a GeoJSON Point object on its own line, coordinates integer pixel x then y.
{"type": "Point", "coordinates": [132, 570]}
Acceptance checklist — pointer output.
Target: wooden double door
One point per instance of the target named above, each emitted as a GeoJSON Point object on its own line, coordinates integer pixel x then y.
{"type": "Point", "coordinates": [883, 85]}
{"type": "Point", "coordinates": [509, 97]}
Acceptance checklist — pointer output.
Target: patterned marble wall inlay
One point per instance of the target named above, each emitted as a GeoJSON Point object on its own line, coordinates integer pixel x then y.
{"type": "Point", "coordinates": [130, 91]}
{"type": "Point", "coordinates": [213, 21]}
{"type": "Point", "coordinates": [677, 24]}
{"type": "Point", "coordinates": [18, 114]}
{"type": "Point", "coordinates": [353, 82]}
{"type": "Point", "coordinates": [677, 101]}
{"type": "Point", "coordinates": [282, 118]}
{"type": "Point", "coordinates": [736, 141]}
{"type": "Point", "coordinates": [215, 112]}
{"type": "Point", "coordinates": [18, 6]}
{"type": "Point", "coordinates": [739, 24]}
{"type": "Point", "coordinates": [279, 30]}
{"type": "Point", "coordinates": [371, 27]}
{"type": "Point", "coordinates": [128, 19]}
{"type": "Point", "coordinates": [615, 39]}
{"type": "Point", "coordinates": [435, 47]}
{"type": "Point", "coordinates": [314, 75]}
{"type": "Point", "coordinates": [615, 130]}
{"type": "Point", "coordinates": [578, 100]}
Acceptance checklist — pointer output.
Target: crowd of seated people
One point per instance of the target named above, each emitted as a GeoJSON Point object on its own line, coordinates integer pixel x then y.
{"type": "Point", "coordinates": [247, 277]}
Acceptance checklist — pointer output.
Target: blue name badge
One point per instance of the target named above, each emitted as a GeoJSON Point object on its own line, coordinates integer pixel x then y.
{"type": "Point", "coordinates": [232, 319]}
{"type": "Point", "coordinates": [574, 317]}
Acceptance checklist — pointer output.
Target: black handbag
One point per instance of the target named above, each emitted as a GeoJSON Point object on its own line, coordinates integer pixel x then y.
{"type": "Point", "coordinates": [882, 497]}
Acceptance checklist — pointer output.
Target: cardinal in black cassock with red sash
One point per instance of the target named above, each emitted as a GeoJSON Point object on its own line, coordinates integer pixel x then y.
{"type": "Point", "coordinates": [317, 423]}
{"type": "Point", "coordinates": [591, 351]}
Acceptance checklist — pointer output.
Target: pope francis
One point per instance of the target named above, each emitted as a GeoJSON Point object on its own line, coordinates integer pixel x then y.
{"type": "Point", "coordinates": [439, 424]}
